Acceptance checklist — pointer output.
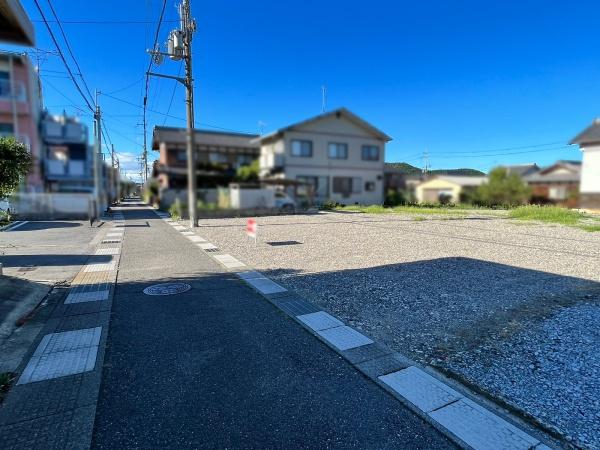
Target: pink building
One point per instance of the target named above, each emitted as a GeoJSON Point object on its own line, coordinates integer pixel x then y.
{"type": "Point", "coordinates": [20, 109]}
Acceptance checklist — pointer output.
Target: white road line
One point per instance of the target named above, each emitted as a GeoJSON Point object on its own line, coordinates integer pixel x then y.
{"type": "Point", "coordinates": [83, 297]}
{"type": "Point", "coordinates": [247, 275]}
{"type": "Point", "coordinates": [17, 225]}
{"type": "Point", "coordinates": [229, 261]}
{"type": "Point", "coordinates": [188, 233]}
{"type": "Point", "coordinates": [206, 246]}
{"type": "Point", "coordinates": [100, 267]}
{"type": "Point", "coordinates": [196, 238]}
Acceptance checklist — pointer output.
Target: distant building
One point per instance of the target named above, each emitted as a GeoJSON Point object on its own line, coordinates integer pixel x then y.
{"type": "Point", "coordinates": [589, 144]}
{"type": "Point", "coordinates": [340, 155]}
{"type": "Point", "coordinates": [398, 180]}
{"type": "Point", "coordinates": [447, 189]}
{"type": "Point", "coordinates": [20, 109]}
{"type": "Point", "coordinates": [558, 183]}
{"type": "Point", "coordinates": [67, 160]}
{"type": "Point", "coordinates": [521, 170]}
{"type": "Point", "coordinates": [218, 156]}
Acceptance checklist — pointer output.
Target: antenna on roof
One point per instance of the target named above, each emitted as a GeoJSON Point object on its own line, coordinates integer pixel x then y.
{"type": "Point", "coordinates": [323, 98]}
{"type": "Point", "coordinates": [261, 127]}
{"type": "Point", "coordinates": [426, 161]}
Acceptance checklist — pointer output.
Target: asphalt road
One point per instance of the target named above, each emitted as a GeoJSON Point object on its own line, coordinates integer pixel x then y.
{"type": "Point", "coordinates": [219, 367]}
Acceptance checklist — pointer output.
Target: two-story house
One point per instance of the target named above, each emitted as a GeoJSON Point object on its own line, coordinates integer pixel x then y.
{"type": "Point", "coordinates": [589, 143]}
{"type": "Point", "coordinates": [339, 154]}
{"type": "Point", "coordinates": [218, 156]}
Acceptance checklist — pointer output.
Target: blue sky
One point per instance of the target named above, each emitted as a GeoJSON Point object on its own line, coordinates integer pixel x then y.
{"type": "Point", "coordinates": [473, 83]}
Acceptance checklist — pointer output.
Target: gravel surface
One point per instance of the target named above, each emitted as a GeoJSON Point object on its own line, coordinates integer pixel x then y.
{"type": "Point", "coordinates": [510, 306]}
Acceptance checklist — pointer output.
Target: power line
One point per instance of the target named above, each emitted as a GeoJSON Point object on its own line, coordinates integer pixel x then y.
{"type": "Point", "coordinates": [145, 100]}
{"type": "Point", "coordinates": [62, 31]}
{"type": "Point", "coordinates": [173, 93]}
{"type": "Point", "coordinates": [106, 22]}
{"type": "Point", "coordinates": [128, 86]}
{"type": "Point", "coordinates": [204, 124]}
{"type": "Point", "coordinates": [62, 56]}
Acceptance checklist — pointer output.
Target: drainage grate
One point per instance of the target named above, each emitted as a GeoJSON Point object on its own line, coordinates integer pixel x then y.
{"type": "Point", "coordinates": [167, 289]}
{"type": "Point", "coordinates": [111, 241]}
{"type": "Point", "coordinates": [211, 250]}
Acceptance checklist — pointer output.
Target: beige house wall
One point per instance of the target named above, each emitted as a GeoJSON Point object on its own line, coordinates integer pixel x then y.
{"type": "Point", "coordinates": [322, 132]}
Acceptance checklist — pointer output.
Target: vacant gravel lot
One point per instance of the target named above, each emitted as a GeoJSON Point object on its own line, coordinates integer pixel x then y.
{"type": "Point", "coordinates": [511, 307]}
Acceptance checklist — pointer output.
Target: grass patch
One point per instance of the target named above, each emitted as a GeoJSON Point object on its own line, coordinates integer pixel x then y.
{"type": "Point", "coordinates": [407, 209]}
{"type": "Point", "coordinates": [548, 214]}
{"type": "Point", "coordinates": [590, 228]}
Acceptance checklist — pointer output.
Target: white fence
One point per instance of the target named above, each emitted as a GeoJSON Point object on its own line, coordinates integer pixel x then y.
{"type": "Point", "coordinates": [51, 206]}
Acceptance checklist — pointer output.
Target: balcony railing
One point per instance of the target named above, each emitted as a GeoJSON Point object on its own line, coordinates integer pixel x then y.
{"type": "Point", "coordinates": [56, 168]}
{"type": "Point", "coordinates": [7, 92]}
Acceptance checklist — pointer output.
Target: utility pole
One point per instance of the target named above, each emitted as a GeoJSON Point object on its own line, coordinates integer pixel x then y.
{"type": "Point", "coordinates": [97, 158]}
{"type": "Point", "coordinates": [179, 46]}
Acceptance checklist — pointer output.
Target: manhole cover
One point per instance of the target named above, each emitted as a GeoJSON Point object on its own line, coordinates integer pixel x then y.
{"type": "Point", "coordinates": [167, 289]}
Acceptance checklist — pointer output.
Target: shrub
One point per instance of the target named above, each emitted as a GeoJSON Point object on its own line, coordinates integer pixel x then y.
{"type": "Point", "coordinates": [176, 209]}
{"type": "Point", "coordinates": [394, 198]}
{"type": "Point", "coordinates": [502, 190]}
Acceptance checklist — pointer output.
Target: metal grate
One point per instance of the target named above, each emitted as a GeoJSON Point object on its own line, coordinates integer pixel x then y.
{"type": "Point", "coordinates": [280, 243]}
{"type": "Point", "coordinates": [212, 250]}
{"type": "Point", "coordinates": [111, 241]}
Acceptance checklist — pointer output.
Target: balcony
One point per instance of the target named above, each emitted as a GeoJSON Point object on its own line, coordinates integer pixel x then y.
{"type": "Point", "coordinates": [57, 169]}
{"type": "Point", "coordinates": [8, 93]}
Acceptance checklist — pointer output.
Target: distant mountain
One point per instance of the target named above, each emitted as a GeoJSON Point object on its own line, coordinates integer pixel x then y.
{"type": "Point", "coordinates": [409, 169]}
{"type": "Point", "coordinates": [404, 168]}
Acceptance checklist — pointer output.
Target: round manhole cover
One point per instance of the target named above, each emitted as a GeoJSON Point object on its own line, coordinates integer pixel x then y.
{"type": "Point", "coordinates": [167, 289]}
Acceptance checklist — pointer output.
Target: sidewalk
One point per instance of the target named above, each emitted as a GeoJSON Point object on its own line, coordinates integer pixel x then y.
{"type": "Point", "coordinates": [220, 367]}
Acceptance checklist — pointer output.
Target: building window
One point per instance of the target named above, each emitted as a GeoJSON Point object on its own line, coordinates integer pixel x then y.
{"type": "Point", "coordinates": [217, 158]}
{"type": "Point", "coordinates": [347, 185]}
{"type": "Point", "coordinates": [302, 148]}
{"type": "Point", "coordinates": [6, 129]}
{"type": "Point", "coordinates": [370, 153]}
{"type": "Point", "coordinates": [370, 186]}
{"type": "Point", "coordinates": [181, 155]}
{"type": "Point", "coordinates": [338, 151]}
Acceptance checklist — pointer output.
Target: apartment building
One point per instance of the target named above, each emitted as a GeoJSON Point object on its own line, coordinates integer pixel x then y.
{"type": "Point", "coordinates": [67, 158]}
{"type": "Point", "coordinates": [20, 109]}
{"type": "Point", "coordinates": [340, 155]}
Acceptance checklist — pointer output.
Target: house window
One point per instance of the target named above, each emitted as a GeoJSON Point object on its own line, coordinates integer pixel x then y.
{"type": "Point", "coordinates": [347, 185]}
{"type": "Point", "coordinates": [557, 193]}
{"type": "Point", "coordinates": [370, 186]}
{"type": "Point", "coordinates": [370, 153]}
{"type": "Point", "coordinates": [338, 151]}
{"type": "Point", "coordinates": [302, 148]}
{"type": "Point", "coordinates": [320, 185]}
{"type": "Point", "coordinates": [181, 155]}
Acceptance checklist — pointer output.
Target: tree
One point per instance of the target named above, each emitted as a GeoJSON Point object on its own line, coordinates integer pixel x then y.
{"type": "Point", "coordinates": [248, 173]}
{"type": "Point", "coordinates": [502, 189]}
{"type": "Point", "coordinates": [15, 163]}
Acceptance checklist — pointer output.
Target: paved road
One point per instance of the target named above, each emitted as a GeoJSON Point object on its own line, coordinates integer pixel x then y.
{"type": "Point", "coordinates": [219, 367]}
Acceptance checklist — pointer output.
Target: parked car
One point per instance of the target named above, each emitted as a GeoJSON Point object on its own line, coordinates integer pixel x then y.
{"type": "Point", "coordinates": [284, 202]}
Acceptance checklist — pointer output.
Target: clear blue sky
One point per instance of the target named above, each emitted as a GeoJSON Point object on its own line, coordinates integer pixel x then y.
{"type": "Point", "coordinates": [460, 79]}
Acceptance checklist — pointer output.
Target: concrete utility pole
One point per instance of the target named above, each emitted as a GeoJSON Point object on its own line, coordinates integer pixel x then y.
{"type": "Point", "coordinates": [97, 158]}
{"type": "Point", "coordinates": [188, 27]}
{"type": "Point", "coordinates": [179, 47]}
